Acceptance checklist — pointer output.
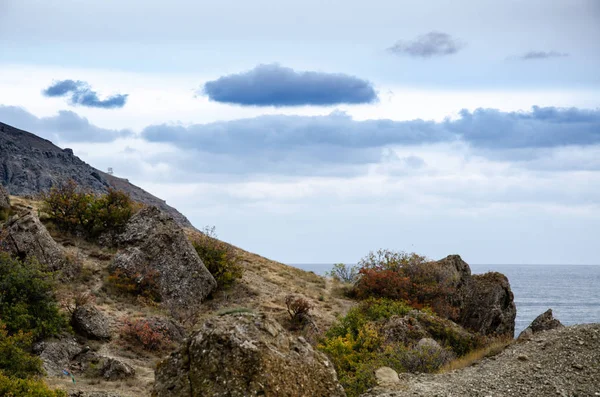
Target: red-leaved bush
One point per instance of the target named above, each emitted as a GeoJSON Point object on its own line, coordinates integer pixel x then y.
{"type": "Point", "coordinates": [145, 333]}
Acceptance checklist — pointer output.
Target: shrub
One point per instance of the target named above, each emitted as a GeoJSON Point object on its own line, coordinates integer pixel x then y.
{"type": "Point", "coordinates": [15, 360]}
{"type": "Point", "coordinates": [425, 358]}
{"type": "Point", "coordinates": [147, 334]}
{"type": "Point", "coordinates": [77, 211]}
{"type": "Point", "coordinates": [409, 277]}
{"type": "Point", "coordinates": [219, 258]}
{"type": "Point", "coordinates": [15, 387]}
{"type": "Point", "coordinates": [298, 308]}
{"type": "Point", "coordinates": [4, 214]}
{"type": "Point", "coordinates": [344, 273]}
{"type": "Point", "coordinates": [140, 284]}
{"type": "Point", "coordinates": [27, 301]}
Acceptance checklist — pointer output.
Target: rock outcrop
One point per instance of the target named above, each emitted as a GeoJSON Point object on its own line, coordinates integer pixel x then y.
{"type": "Point", "coordinates": [30, 165]}
{"type": "Point", "coordinates": [489, 307]}
{"type": "Point", "coordinates": [91, 322]}
{"type": "Point", "coordinates": [246, 355]}
{"type": "Point", "coordinates": [4, 199]}
{"type": "Point", "coordinates": [57, 354]}
{"type": "Point", "coordinates": [26, 237]}
{"type": "Point", "coordinates": [483, 303]}
{"type": "Point", "coordinates": [543, 322]}
{"type": "Point", "coordinates": [155, 246]}
{"type": "Point", "coordinates": [113, 369]}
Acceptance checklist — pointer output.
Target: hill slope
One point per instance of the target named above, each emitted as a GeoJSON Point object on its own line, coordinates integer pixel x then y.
{"type": "Point", "coordinates": [30, 165]}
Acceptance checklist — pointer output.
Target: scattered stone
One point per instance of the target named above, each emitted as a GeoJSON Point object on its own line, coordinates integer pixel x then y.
{"type": "Point", "coordinates": [156, 246]}
{"type": "Point", "coordinates": [245, 355]}
{"type": "Point", "coordinates": [113, 369]}
{"type": "Point", "coordinates": [81, 393]}
{"type": "Point", "coordinates": [578, 366]}
{"type": "Point", "coordinates": [386, 376]}
{"type": "Point", "coordinates": [522, 357]}
{"type": "Point", "coordinates": [91, 322]}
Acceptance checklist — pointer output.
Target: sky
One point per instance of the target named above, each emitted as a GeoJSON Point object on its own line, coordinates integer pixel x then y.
{"type": "Point", "coordinates": [317, 131]}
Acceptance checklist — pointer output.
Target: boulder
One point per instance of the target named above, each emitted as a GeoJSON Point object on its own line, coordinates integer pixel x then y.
{"type": "Point", "coordinates": [91, 322]}
{"type": "Point", "coordinates": [406, 330]}
{"type": "Point", "coordinates": [26, 237]}
{"type": "Point", "coordinates": [245, 355]}
{"type": "Point", "coordinates": [4, 199]}
{"type": "Point", "coordinates": [386, 376]}
{"type": "Point", "coordinates": [113, 369]}
{"type": "Point", "coordinates": [543, 322]}
{"type": "Point", "coordinates": [154, 245]}
{"type": "Point", "coordinates": [489, 307]}
{"type": "Point", "coordinates": [56, 355]}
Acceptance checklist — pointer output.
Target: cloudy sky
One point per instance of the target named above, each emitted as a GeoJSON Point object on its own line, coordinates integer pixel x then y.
{"type": "Point", "coordinates": [316, 131]}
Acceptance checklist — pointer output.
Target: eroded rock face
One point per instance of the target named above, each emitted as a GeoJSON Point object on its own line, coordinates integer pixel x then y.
{"type": "Point", "coordinates": [4, 199]}
{"type": "Point", "coordinates": [246, 355]}
{"type": "Point", "coordinates": [56, 355]}
{"type": "Point", "coordinates": [91, 322]}
{"type": "Point", "coordinates": [543, 322]}
{"type": "Point", "coordinates": [489, 306]}
{"type": "Point", "coordinates": [25, 236]}
{"type": "Point", "coordinates": [483, 303]}
{"type": "Point", "coordinates": [154, 245]}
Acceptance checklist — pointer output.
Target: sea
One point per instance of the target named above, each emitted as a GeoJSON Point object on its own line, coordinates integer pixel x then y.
{"type": "Point", "coordinates": [571, 291]}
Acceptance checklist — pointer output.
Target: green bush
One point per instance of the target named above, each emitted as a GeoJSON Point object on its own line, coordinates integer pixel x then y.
{"type": "Point", "coordinates": [4, 214]}
{"type": "Point", "coordinates": [425, 358]}
{"type": "Point", "coordinates": [15, 387]}
{"type": "Point", "coordinates": [74, 210]}
{"type": "Point", "coordinates": [27, 301]}
{"type": "Point", "coordinates": [15, 359]}
{"type": "Point", "coordinates": [219, 258]}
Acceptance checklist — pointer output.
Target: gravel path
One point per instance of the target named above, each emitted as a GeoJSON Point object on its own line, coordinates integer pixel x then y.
{"type": "Point", "coordinates": [560, 362]}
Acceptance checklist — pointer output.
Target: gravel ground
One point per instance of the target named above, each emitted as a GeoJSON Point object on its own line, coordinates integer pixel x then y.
{"type": "Point", "coordinates": [560, 362]}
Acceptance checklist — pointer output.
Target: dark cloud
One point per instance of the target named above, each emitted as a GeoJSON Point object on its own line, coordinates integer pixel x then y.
{"type": "Point", "coordinates": [429, 45]}
{"type": "Point", "coordinates": [274, 85]}
{"type": "Point", "coordinates": [66, 126]}
{"type": "Point", "coordinates": [80, 93]}
{"type": "Point", "coordinates": [542, 55]}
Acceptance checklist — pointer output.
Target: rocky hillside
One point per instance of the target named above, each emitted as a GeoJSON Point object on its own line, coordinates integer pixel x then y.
{"type": "Point", "coordinates": [30, 165]}
{"type": "Point", "coordinates": [561, 362]}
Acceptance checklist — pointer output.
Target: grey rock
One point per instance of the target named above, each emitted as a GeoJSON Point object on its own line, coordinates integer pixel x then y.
{"type": "Point", "coordinates": [155, 246]}
{"type": "Point", "coordinates": [113, 369]}
{"type": "Point", "coordinates": [91, 322]}
{"type": "Point", "coordinates": [81, 393]}
{"type": "Point", "coordinates": [489, 307]}
{"type": "Point", "coordinates": [30, 165]}
{"type": "Point", "coordinates": [4, 199]}
{"type": "Point", "coordinates": [386, 376]}
{"type": "Point", "coordinates": [56, 355]}
{"type": "Point", "coordinates": [27, 237]}
{"type": "Point", "coordinates": [543, 322]}
{"type": "Point", "coordinates": [244, 355]}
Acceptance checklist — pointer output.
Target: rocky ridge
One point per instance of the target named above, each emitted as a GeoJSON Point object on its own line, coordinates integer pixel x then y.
{"type": "Point", "coordinates": [30, 165]}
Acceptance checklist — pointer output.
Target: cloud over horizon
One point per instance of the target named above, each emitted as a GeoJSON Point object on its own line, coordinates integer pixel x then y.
{"type": "Point", "coordinates": [66, 126]}
{"type": "Point", "coordinates": [432, 44]}
{"type": "Point", "coordinates": [542, 55]}
{"type": "Point", "coordinates": [275, 85]}
{"type": "Point", "coordinates": [80, 93]}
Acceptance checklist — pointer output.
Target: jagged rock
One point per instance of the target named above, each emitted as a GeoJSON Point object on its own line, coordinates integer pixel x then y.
{"type": "Point", "coordinates": [113, 369]}
{"type": "Point", "coordinates": [25, 236]}
{"type": "Point", "coordinates": [56, 355]}
{"type": "Point", "coordinates": [156, 247]}
{"type": "Point", "coordinates": [91, 322]}
{"type": "Point", "coordinates": [30, 165]}
{"type": "Point", "coordinates": [169, 327]}
{"type": "Point", "coordinates": [543, 322]}
{"type": "Point", "coordinates": [489, 307]}
{"type": "Point", "coordinates": [4, 199]}
{"type": "Point", "coordinates": [245, 355]}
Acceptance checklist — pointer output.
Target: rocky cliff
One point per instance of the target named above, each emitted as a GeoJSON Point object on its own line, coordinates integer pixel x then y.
{"type": "Point", "coordinates": [30, 165]}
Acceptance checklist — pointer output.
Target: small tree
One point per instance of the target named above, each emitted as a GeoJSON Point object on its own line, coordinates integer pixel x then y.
{"type": "Point", "coordinates": [344, 273]}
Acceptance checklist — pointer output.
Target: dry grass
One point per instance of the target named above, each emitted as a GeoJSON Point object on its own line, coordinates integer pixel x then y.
{"type": "Point", "coordinates": [494, 348]}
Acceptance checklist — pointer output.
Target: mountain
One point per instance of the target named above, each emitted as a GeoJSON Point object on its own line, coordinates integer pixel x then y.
{"type": "Point", "coordinates": [30, 165]}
